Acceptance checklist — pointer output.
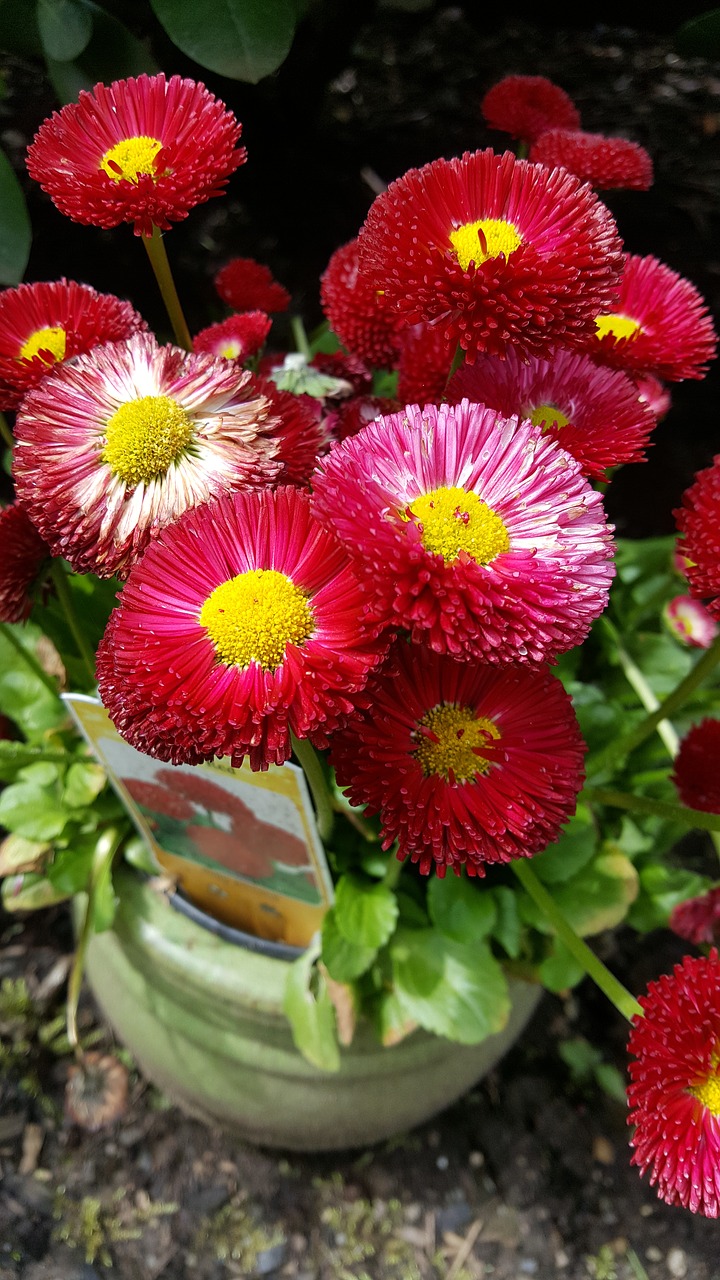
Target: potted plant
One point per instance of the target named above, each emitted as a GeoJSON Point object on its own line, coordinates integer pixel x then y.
{"type": "Point", "coordinates": [382, 558]}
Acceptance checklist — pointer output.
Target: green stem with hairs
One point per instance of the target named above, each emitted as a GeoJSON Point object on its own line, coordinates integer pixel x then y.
{"type": "Point", "coordinates": [28, 658]}
{"type": "Point", "coordinates": [698, 818]}
{"type": "Point", "coordinates": [616, 751]}
{"type": "Point", "coordinates": [5, 432]}
{"type": "Point", "coordinates": [157, 254]}
{"type": "Point", "coordinates": [637, 681]}
{"type": "Point", "coordinates": [617, 994]}
{"type": "Point", "coordinates": [309, 760]}
{"type": "Point", "coordinates": [57, 573]}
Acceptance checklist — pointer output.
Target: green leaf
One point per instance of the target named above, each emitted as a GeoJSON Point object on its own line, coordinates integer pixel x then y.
{"type": "Point", "coordinates": [65, 28]}
{"type": "Point", "coordinates": [30, 892]}
{"type": "Point", "coordinates": [560, 970]}
{"type": "Point", "coordinates": [365, 913]}
{"type": "Point", "coordinates": [242, 39]}
{"type": "Point", "coordinates": [461, 908]}
{"type": "Point", "coordinates": [70, 870]}
{"type": "Point", "coordinates": [575, 847]}
{"type": "Point", "coordinates": [18, 854]}
{"type": "Point", "coordinates": [700, 36]}
{"type": "Point", "coordinates": [32, 812]}
{"type": "Point", "coordinates": [23, 696]}
{"type": "Point", "coordinates": [15, 229]}
{"type": "Point", "coordinates": [16, 756]}
{"type": "Point", "coordinates": [507, 929]}
{"type": "Point", "coordinates": [597, 898]}
{"type": "Point", "coordinates": [103, 901]}
{"type": "Point", "coordinates": [454, 990]}
{"type": "Point", "coordinates": [310, 1012]}
{"type": "Point", "coordinates": [343, 960]}
{"type": "Point", "coordinates": [662, 888]}
{"type": "Point", "coordinates": [112, 53]}
{"type": "Point", "coordinates": [83, 784]}
{"type": "Point", "coordinates": [18, 29]}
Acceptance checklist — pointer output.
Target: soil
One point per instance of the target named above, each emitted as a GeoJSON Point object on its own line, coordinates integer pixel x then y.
{"type": "Point", "coordinates": [529, 1174]}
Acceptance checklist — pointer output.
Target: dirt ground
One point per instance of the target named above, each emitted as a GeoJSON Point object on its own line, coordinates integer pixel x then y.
{"type": "Point", "coordinates": [528, 1175]}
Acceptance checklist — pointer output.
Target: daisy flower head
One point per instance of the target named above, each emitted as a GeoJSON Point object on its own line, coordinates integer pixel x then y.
{"type": "Point", "coordinates": [144, 150]}
{"type": "Point", "coordinates": [524, 106]}
{"type": "Point", "coordinates": [653, 393]}
{"type": "Point", "coordinates": [299, 435]}
{"type": "Point", "coordinates": [674, 1094]}
{"type": "Point", "coordinates": [24, 555]}
{"type": "Point", "coordinates": [697, 920]}
{"type": "Point", "coordinates": [357, 311]}
{"type": "Point", "coordinates": [465, 764]}
{"type": "Point", "coordinates": [594, 413]}
{"type": "Point", "coordinates": [237, 338]}
{"type": "Point", "coordinates": [698, 524]}
{"type": "Point", "coordinates": [239, 626]}
{"type": "Point", "coordinates": [696, 771]}
{"type": "Point", "coordinates": [497, 251]}
{"type": "Point", "coordinates": [606, 163]}
{"type": "Point", "coordinates": [424, 364]}
{"type": "Point", "coordinates": [690, 622]}
{"type": "Point", "coordinates": [657, 324]}
{"type": "Point", "coordinates": [247, 285]}
{"type": "Point", "coordinates": [114, 446]}
{"type": "Point", "coordinates": [44, 323]}
{"type": "Point", "coordinates": [476, 533]}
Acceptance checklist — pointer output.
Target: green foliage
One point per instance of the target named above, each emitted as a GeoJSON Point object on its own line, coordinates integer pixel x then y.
{"type": "Point", "coordinates": [241, 39]}
{"type": "Point", "coordinates": [456, 990]}
{"type": "Point", "coordinates": [700, 36]}
{"type": "Point", "coordinates": [15, 229]}
{"type": "Point", "coordinates": [311, 1013]}
{"type": "Point", "coordinates": [365, 912]}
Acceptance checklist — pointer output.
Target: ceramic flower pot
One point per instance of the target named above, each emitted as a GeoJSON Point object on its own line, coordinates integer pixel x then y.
{"type": "Point", "coordinates": [203, 1018]}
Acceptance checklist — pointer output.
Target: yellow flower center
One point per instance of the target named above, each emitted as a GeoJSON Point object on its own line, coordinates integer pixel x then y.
{"type": "Point", "coordinates": [452, 520]}
{"type": "Point", "coordinates": [450, 743]}
{"type": "Point", "coordinates": [708, 1092]}
{"type": "Point", "coordinates": [130, 158]}
{"type": "Point", "coordinates": [255, 616]}
{"type": "Point", "coordinates": [50, 342]}
{"type": "Point", "coordinates": [230, 349]}
{"type": "Point", "coordinates": [617, 326]}
{"type": "Point", "coordinates": [144, 437]}
{"type": "Point", "coordinates": [547, 416]}
{"type": "Point", "coordinates": [486, 238]}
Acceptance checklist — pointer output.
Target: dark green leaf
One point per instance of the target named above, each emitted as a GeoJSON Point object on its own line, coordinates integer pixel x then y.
{"type": "Point", "coordinates": [15, 229]}
{"type": "Point", "coordinates": [461, 908]}
{"type": "Point", "coordinates": [242, 39]}
{"type": "Point", "coordinates": [65, 28]}
{"type": "Point", "coordinates": [112, 53]}
{"type": "Point", "coordinates": [18, 28]}
{"type": "Point", "coordinates": [574, 848]}
{"type": "Point", "coordinates": [365, 912]}
{"type": "Point", "coordinates": [69, 872]}
{"type": "Point", "coordinates": [453, 990]}
{"type": "Point", "coordinates": [24, 697]}
{"type": "Point", "coordinates": [700, 36]}
{"type": "Point", "coordinates": [560, 970]}
{"type": "Point", "coordinates": [508, 929]}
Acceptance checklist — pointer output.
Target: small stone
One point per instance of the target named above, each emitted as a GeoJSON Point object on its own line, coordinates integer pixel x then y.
{"type": "Point", "coordinates": [562, 1259]}
{"type": "Point", "coordinates": [442, 1163]}
{"type": "Point", "coordinates": [476, 1159]}
{"type": "Point", "coordinates": [603, 1150]}
{"type": "Point", "coordinates": [653, 1254]}
{"type": "Point", "coordinates": [676, 1263]}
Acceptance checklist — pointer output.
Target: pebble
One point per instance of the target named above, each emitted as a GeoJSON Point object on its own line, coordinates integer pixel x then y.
{"type": "Point", "coordinates": [653, 1254]}
{"type": "Point", "coordinates": [676, 1263]}
{"type": "Point", "coordinates": [442, 1163]}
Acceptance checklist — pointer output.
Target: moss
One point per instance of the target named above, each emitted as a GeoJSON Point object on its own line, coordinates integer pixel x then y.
{"type": "Point", "coordinates": [362, 1231]}
{"type": "Point", "coordinates": [92, 1225]}
{"type": "Point", "coordinates": [235, 1233]}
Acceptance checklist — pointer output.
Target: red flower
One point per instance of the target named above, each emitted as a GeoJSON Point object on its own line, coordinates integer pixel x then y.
{"type": "Point", "coordinates": [51, 321]}
{"type": "Point", "coordinates": [357, 311]}
{"type": "Point", "coordinates": [240, 626]}
{"type": "Point", "coordinates": [657, 324]}
{"type": "Point", "coordinates": [498, 251]}
{"type": "Point", "coordinates": [594, 413]}
{"type": "Point", "coordinates": [698, 919]}
{"type": "Point", "coordinates": [351, 415]}
{"type": "Point", "coordinates": [342, 364]}
{"type": "Point", "coordinates": [300, 434]}
{"type": "Point", "coordinates": [247, 285]}
{"type": "Point", "coordinates": [24, 553]}
{"type": "Point", "coordinates": [698, 523]}
{"type": "Point", "coordinates": [674, 1095]}
{"type": "Point", "coordinates": [464, 763]}
{"type": "Point", "coordinates": [606, 163]}
{"type": "Point", "coordinates": [696, 772]}
{"type": "Point", "coordinates": [425, 360]}
{"type": "Point", "coordinates": [524, 106]}
{"type": "Point", "coordinates": [143, 150]}
{"type": "Point", "coordinates": [237, 338]}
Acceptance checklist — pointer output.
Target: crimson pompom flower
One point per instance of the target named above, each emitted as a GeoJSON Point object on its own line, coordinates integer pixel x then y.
{"type": "Point", "coordinates": [24, 555]}
{"type": "Point", "coordinates": [606, 163]}
{"type": "Point", "coordinates": [674, 1094]}
{"type": "Point", "coordinates": [698, 524]}
{"type": "Point", "coordinates": [247, 285]}
{"type": "Point", "coordinates": [357, 310]}
{"type": "Point", "coordinates": [464, 763]}
{"type": "Point", "coordinates": [593, 412]}
{"type": "Point", "coordinates": [237, 338]}
{"type": "Point", "coordinates": [351, 415]}
{"type": "Point", "coordinates": [115, 445]}
{"type": "Point", "coordinates": [696, 771]}
{"type": "Point", "coordinates": [498, 251]}
{"type": "Point", "coordinates": [144, 150]}
{"type": "Point", "coordinates": [658, 324]}
{"type": "Point", "coordinates": [300, 433]}
{"type": "Point", "coordinates": [524, 106]}
{"type": "Point", "coordinates": [653, 393]}
{"type": "Point", "coordinates": [698, 919]}
{"type": "Point", "coordinates": [690, 622]}
{"type": "Point", "coordinates": [424, 364]}
{"type": "Point", "coordinates": [239, 627]}
{"type": "Point", "coordinates": [50, 321]}
{"type": "Point", "coordinates": [475, 532]}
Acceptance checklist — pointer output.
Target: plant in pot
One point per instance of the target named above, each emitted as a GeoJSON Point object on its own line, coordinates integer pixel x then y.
{"type": "Point", "coordinates": [381, 561]}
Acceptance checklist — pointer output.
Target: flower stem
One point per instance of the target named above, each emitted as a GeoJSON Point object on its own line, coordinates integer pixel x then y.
{"type": "Point", "coordinates": [105, 850]}
{"type": "Point", "coordinates": [300, 337]}
{"type": "Point", "coordinates": [28, 658]}
{"type": "Point", "coordinates": [615, 752]}
{"type": "Point", "coordinates": [306, 754]}
{"type": "Point", "coordinates": [617, 994]}
{"type": "Point", "coordinates": [157, 254]}
{"type": "Point", "coordinates": [637, 681]}
{"type": "Point", "coordinates": [57, 573]}
{"type": "Point", "coordinates": [5, 432]}
{"type": "Point", "coordinates": [648, 804]}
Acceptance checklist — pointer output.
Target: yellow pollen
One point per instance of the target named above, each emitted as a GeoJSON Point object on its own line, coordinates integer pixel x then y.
{"type": "Point", "coordinates": [547, 416]}
{"type": "Point", "coordinates": [453, 520]}
{"type": "Point", "coordinates": [51, 342]}
{"type": "Point", "coordinates": [708, 1092]}
{"type": "Point", "coordinates": [486, 238]}
{"type": "Point", "coordinates": [144, 437]}
{"type": "Point", "coordinates": [255, 616]}
{"type": "Point", "coordinates": [617, 326]}
{"type": "Point", "coordinates": [450, 743]}
{"type": "Point", "coordinates": [131, 158]}
{"type": "Point", "coordinates": [230, 349]}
